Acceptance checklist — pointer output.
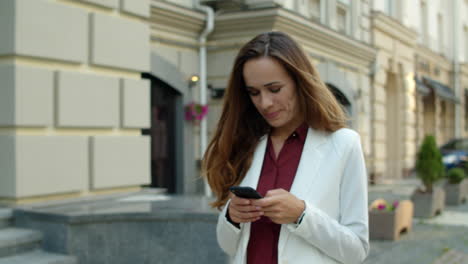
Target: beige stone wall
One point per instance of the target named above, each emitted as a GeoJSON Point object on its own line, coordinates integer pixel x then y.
{"type": "Point", "coordinates": [72, 101]}
{"type": "Point", "coordinates": [393, 101]}
{"type": "Point", "coordinates": [438, 113]}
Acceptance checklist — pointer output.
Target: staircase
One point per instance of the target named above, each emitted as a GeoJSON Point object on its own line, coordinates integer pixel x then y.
{"type": "Point", "coordinates": [23, 246]}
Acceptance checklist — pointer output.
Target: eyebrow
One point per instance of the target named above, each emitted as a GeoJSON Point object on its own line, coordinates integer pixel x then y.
{"type": "Point", "coordinates": [266, 85]}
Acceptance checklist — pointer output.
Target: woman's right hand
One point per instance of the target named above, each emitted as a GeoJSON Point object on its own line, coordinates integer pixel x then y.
{"type": "Point", "coordinates": [242, 211]}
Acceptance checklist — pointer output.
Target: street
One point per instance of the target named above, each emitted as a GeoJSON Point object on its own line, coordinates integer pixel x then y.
{"type": "Point", "coordinates": [440, 240]}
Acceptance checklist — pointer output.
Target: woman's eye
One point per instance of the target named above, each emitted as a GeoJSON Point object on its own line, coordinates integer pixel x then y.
{"type": "Point", "coordinates": [275, 90]}
{"type": "Point", "coordinates": [253, 93]}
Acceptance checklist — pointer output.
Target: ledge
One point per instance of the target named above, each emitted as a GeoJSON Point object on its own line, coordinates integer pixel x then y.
{"type": "Point", "coordinates": [136, 207]}
{"type": "Point", "coordinates": [176, 19]}
{"type": "Point", "coordinates": [394, 28]}
{"type": "Point", "coordinates": [232, 29]}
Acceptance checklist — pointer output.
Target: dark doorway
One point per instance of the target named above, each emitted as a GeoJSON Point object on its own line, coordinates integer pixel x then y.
{"type": "Point", "coordinates": [340, 97]}
{"type": "Point", "coordinates": [163, 134]}
{"type": "Point", "coordinates": [344, 102]}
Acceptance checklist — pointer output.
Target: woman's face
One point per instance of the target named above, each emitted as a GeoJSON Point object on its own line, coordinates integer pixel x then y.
{"type": "Point", "coordinates": [273, 92]}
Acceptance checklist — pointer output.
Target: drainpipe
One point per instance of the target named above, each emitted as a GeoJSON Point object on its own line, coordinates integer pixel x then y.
{"type": "Point", "coordinates": [456, 69]}
{"type": "Point", "coordinates": [203, 87]}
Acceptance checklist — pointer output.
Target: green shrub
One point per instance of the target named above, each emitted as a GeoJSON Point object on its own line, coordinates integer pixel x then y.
{"type": "Point", "coordinates": [455, 175]}
{"type": "Point", "coordinates": [429, 166]}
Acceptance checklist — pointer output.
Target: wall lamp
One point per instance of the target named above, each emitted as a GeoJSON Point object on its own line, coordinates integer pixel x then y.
{"type": "Point", "coordinates": [193, 80]}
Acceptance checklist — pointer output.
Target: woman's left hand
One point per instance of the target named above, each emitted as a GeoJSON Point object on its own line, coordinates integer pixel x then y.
{"type": "Point", "coordinates": [280, 206]}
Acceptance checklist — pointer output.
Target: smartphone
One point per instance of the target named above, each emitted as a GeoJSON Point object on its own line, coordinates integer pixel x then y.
{"type": "Point", "coordinates": [245, 192]}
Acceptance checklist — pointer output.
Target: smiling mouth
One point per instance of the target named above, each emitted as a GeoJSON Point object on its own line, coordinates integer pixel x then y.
{"type": "Point", "coordinates": [272, 115]}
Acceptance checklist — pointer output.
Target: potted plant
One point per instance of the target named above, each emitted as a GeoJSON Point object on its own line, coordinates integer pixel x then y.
{"type": "Point", "coordinates": [456, 187]}
{"type": "Point", "coordinates": [389, 221]}
{"type": "Point", "coordinates": [430, 200]}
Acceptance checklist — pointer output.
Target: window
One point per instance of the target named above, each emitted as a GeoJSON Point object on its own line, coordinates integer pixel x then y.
{"type": "Point", "coordinates": [343, 16]}
{"type": "Point", "coordinates": [440, 33]}
{"type": "Point", "coordinates": [424, 37]}
{"type": "Point", "coordinates": [466, 44]}
{"type": "Point", "coordinates": [389, 7]}
{"type": "Point", "coordinates": [315, 10]}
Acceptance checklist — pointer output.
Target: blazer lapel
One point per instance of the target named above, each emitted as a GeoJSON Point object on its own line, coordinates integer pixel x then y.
{"type": "Point", "coordinates": [306, 173]}
{"type": "Point", "coordinates": [253, 174]}
{"type": "Point", "coordinates": [311, 158]}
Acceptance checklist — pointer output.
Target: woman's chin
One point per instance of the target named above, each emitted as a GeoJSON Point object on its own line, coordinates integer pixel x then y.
{"type": "Point", "coordinates": [275, 123]}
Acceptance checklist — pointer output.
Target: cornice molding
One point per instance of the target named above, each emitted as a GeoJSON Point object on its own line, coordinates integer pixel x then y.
{"type": "Point", "coordinates": [393, 28]}
{"type": "Point", "coordinates": [175, 19]}
{"type": "Point", "coordinates": [433, 57]}
{"type": "Point", "coordinates": [241, 25]}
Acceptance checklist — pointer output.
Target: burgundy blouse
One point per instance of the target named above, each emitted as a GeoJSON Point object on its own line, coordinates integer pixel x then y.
{"type": "Point", "coordinates": [276, 173]}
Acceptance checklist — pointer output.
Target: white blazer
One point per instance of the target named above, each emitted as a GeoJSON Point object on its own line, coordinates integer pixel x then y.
{"type": "Point", "coordinates": [331, 178]}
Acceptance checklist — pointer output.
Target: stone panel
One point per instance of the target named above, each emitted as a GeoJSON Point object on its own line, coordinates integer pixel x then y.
{"type": "Point", "coordinates": [380, 132]}
{"type": "Point", "coordinates": [380, 151]}
{"type": "Point", "coordinates": [7, 94]}
{"type": "Point", "coordinates": [380, 77]}
{"type": "Point", "coordinates": [365, 83]}
{"type": "Point", "coordinates": [380, 94]}
{"type": "Point", "coordinates": [381, 40]}
{"type": "Point", "coordinates": [410, 134]}
{"type": "Point", "coordinates": [139, 8]}
{"type": "Point", "coordinates": [7, 26]}
{"type": "Point", "coordinates": [34, 96]}
{"type": "Point", "coordinates": [86, 100]}
{"type": "Point", "coordinates": [410, 149]}
{"type": "Point", "coordinates": [170, 54]}
{"type": "Point", "coordinates": [120, 43]}
{"type": "Point", "coordinates": [189, 62]}
{"type": "Point", "coordinates": [7, 165]}
{"type": "Point", "coordinates": [104, 3]}
{"type": "Point", "coordinates": [51, 164]}
{"type": "Point", "coordinates": [404, 51]}
{"type": "Point", "coordinates": [119, 161]}
{"type": "Point", "coordinates": [410, 117]}
{"type": "Point", "coordinates": [379, 166]}
{"type": "Point", "coordinates": [379, 113]}
{"type": "Point", "coordinates": [217, 63]}
{"type": "Point", "coordinates": [59, 32]}
{"type": "Point", "coordinates": [136, 103]}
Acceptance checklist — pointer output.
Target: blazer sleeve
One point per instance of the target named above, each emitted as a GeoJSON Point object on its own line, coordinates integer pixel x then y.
{"type": "Point", "coordinates": [227, 234]}
{"type": "Point", "coordinates": [346, 239]}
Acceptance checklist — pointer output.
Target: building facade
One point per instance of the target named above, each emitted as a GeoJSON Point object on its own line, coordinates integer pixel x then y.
{"type": "Point", "coordinates": [94, 92]}
{"type": "Point", "coordinates": [72, 100]}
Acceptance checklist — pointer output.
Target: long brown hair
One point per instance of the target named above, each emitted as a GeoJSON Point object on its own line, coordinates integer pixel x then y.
{"type": "Point", "coordinates": [229, 154]}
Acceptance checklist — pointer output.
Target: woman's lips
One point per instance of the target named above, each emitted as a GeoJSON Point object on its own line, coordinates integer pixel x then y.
{"type": "Point", "coordinates": [272, 115]}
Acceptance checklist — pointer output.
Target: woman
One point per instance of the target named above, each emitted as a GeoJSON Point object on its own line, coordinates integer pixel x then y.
{"type": "Point", "coordinates": [282, 132]}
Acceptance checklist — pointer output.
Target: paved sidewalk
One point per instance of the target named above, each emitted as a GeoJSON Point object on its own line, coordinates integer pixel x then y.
{"type": "Point", "coordinates": [440, 240]}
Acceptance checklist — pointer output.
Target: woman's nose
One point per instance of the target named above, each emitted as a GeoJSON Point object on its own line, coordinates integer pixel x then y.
{"type": "Point", "coordinates": [266, 101]}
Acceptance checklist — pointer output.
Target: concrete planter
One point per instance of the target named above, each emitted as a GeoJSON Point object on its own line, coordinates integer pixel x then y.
{"type": "Point", "coordinates": [180, 230]}
{"type": "Point", "coordinates": [456, 193]}
{"type": "Point", "coordinates": [427, 205]}
{"type": "Point", "coordinates": [389, 225]}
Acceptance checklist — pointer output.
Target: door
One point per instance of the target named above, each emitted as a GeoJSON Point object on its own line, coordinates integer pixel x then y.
{"type": "Point", "coordinates": [162, 133]}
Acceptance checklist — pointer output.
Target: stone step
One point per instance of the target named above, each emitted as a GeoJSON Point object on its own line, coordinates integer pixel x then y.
{"type": "Point", "coordinates": [38, 257]}
{"type": "Point", "coordinates": [16, 240]}
{"type": "Point", "coordinates": [5, 217]}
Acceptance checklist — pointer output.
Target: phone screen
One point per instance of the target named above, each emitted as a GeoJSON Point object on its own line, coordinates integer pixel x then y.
{"type": "Point", "coordinates": [245, 192]}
